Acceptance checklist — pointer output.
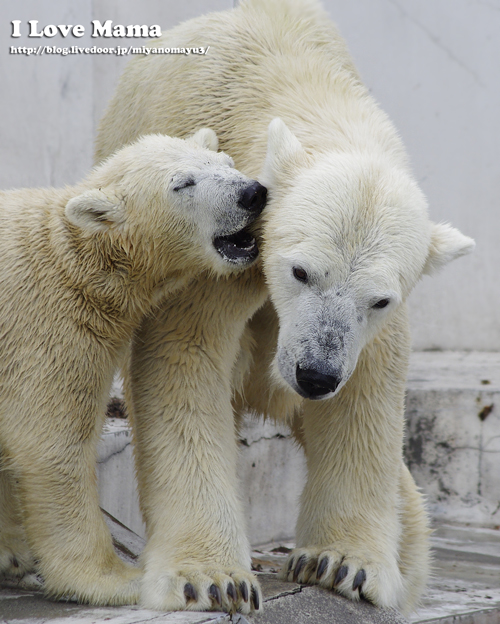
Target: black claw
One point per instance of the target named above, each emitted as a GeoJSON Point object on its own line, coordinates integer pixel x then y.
{"type": "Point", "coordinates": [323, 564]}
{"type": "Point", "coordinates": [255, 598]}
{"type": "Point", "coordinates": [359, 579]}
{"type": "Point", "coordinates": [341, 574]}
{"type": "Point", "coordinates": [214, 593]}
{"type": "Point", "coordinates": [298, 568]}
{"type": "Point", "coordinates": [190, 592]}
{"type": "Point", "coordinates": [231, 592]}
{"type": "Point", "coordinates": [290, 565]}
{"type": "Point", "coordinates": [14, 562]}
{"type": "Point", "coordinates": [244, 591]}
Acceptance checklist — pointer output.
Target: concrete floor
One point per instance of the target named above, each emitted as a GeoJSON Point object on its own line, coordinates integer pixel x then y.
{"type": "Point", "coordinates": [466, 583]}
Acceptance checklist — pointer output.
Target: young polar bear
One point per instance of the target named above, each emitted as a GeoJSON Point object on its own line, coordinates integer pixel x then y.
{"type": "Point", "coordinates": [79, 267]}
{"type": "Point", "coordinates": [345, 239]}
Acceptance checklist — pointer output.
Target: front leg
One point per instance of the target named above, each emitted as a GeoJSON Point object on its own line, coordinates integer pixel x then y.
{"type": "Point", "coordinates": [179, 395]}
{"type": "Point", "coordinates": [362, 529]}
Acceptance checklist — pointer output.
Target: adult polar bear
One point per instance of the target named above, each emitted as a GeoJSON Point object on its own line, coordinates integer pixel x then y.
{"type": "Point", "coordinates": [345, 239]}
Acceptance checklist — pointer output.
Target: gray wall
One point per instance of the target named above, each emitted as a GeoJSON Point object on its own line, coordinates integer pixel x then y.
{"type": "Point", "coordinates": [434, 67]}
{"type": "Point", "coordinates": [50, 104]}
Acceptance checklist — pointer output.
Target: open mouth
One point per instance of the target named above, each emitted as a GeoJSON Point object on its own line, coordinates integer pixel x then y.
{"type": "Point", "coordinates": [238, 248]}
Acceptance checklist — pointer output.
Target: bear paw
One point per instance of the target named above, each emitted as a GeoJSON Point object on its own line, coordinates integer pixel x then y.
{"type": "Point", "coordinates": [354, 574]}
{"type": "Point", "coordinates": [196, 589]}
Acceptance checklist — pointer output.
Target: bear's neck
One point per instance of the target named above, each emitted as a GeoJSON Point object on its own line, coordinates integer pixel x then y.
{"type": "Point", "coordinates": [111, 277]}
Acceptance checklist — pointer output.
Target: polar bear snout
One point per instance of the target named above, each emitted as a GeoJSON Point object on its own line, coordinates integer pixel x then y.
{"type": "Point", "coordinates": [319, 344]}
{"type": "Point", "coordinates": [235, 241]}
{"type": "Point", "coordinates": [314, 384]}
{"type": "Point", "coordinates": [253, 198]}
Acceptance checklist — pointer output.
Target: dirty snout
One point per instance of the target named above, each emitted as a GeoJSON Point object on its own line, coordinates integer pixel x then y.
{"type": "Point", "coordinates": [235, 242]}
{"type": "Point", "coordinates": [318, 349]}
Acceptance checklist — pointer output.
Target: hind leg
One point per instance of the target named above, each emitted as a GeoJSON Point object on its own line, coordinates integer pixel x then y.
{"type": "Point", "coordinates": [414, 554]}
{"type": "Point", "coordinates": [51, 448]}
{"type": "Point", "coordinates": [57, 494]}
{"type": "Point", "coordinates": [16, 559]}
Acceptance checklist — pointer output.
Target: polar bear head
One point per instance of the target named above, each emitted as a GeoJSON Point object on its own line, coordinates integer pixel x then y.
{"type": "Point", "coordinates": [181, 196]}
{"type": "Point", "coordinates": [346, 237]}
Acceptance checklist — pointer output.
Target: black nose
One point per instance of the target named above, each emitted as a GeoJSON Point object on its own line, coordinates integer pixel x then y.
{"type": "Point", "coordinates": [314, 384]}
{"type": "Point", "coordinates": [253, 197]}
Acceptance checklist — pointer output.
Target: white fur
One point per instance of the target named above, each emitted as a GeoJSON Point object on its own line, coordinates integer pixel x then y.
{"type": "Point", "coordinates": [345, 208]}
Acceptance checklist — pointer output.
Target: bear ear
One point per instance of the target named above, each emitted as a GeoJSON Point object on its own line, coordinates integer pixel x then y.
{"type": "Point", "coordinates": [447, 243]}
{"type": "Point", "coordinates": [205, 138]}
{"type": "Point", "coordinates": [284, 153]}
{"type": "Point", "coordinates": [96, 210]}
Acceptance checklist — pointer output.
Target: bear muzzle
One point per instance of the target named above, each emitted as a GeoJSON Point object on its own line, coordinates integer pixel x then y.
{"type": "Point", "coordinates": [315, 385]}
{"type": "Point", "coordinates": [253, 198]}
{"type": "Point", "coordinates": [241, 247]}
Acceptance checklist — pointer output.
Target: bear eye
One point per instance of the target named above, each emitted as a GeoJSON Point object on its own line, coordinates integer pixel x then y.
{"type": "Point", "coordinates": [300, 274]}
{"type": "Point", "coordinates": [184, 184]}
{"type": "Point", "coordinates": [383, 303]}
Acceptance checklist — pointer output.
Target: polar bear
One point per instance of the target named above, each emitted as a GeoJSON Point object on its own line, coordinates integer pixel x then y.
{"type": "Point", "coordinates": [79, 268]}
{"type": "Point", "coordinates": [319, 340]}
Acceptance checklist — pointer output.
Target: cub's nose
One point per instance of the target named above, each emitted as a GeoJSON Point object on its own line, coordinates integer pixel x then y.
{"type": "Point", "coordinates": [314, 384]}
{"type": "Point", "coordinates": [253, 197]}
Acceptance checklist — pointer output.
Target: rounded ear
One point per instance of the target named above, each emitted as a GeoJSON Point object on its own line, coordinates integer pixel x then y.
{"type": "Point", "coordinates": [284, 153]}
{"type": "Point", "coordinates": [96, 210]}
{"type": "Point", "coordinates": [205, 138]}
{"type": "Point", "coordinates": [447, 243]}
